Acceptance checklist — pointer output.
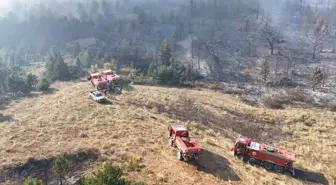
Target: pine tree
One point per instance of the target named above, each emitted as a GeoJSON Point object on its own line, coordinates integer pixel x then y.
{"type": "Point", "coordinates": [174, 44]}
{"type": "Point", "coordinates": [62, 70]}
{"type": "Point", "coordinates": [31, 80]}
{"type": "Point", "coordinates": [57, 69]}
{"type": "Point", "coordinates": [151, 69]}
{"type": "Point", "coordinates": [61, 168]}
{"type": "Point", "coordinates": [86, 59]}
{"type": "Point", "coordinates": [43, 85]}
{"type": "Point", "coordinates": [15, 83]}
{"type": "Point", "coordinates": [77, 49]}
{"type": "Point", "coordinates": [116, 66]}
{"type": "Point", "coordinates": [78, 63]}
{"type": "Point", "coordinates": [209, 47]}
{"type": "Point", "coordinates": [109, 175]}
{"type": "Point", "coordinates": [32, 181]}
{"type": "Point", "coordinates": [165, 53]}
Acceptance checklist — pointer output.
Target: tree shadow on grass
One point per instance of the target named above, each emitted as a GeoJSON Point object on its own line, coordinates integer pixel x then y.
{"type": "Point", "coordinates": [50, 91]}
{"type": "Point", "coordinates": [43, 168]}
{"type": "Point", "coordinates": [215, 165]}
{"type": "Point", "coordinates": [128, 87]}
{"type": "Point", "coordinates": [5, 118]}
{"type": "Point", "coordinates": [4, 104]}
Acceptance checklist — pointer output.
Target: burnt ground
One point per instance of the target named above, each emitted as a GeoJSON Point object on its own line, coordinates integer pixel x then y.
{"type": "Point", "coordinates": [238, 122]}
{"type": "Point", "coordinates": [227, 124]}
{"type": "Point", "coordinates": [43, 168]}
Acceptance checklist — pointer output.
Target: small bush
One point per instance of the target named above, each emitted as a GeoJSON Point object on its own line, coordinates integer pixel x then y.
{"type": "Point", "coordinates": [32, 181]}
{"type": "Point", "coordinates": [332, 107]}
{"type": "Point", "coordinates": [43, 85]}
{"type": "Point", "coordinates": [296, 95]}
{"type": "Point", "coordinates": [210, 141]}
{"type": "Point", "coordinates": [275, 102]}
{"type": "Point", "coordinates": [195, 125]}
{"type": "Point", "coordinates": [151, 69]}
{"type": "Point", "coordinates": [137, 183]}
{"type": "Point", "coordinates": [173, 74]}
{"type": "Point", "coordinates": [75, 72]}
{"type": "Point", "coordinates": [281, 81]}
{"type": "Point", "coordinates": [165, 75]}
{"type": "Point", "coordinates": [134, 164]}
{"type": "Point", "coordinates": [31, 80]}
{"type": "Point", "coordinates": [124, 80]}
{"type": "Point", "coordinates": [143, 80]}
{"type": "Point", "coordinates": [210, 132]}
{"type": "Point", "coordinates": [109, 175]}
{"type": "Point", "coordinates": [94, 69]}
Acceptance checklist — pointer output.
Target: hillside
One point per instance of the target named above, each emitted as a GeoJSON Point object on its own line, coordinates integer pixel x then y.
{"type": "Point", "coordinates": [132, 131]}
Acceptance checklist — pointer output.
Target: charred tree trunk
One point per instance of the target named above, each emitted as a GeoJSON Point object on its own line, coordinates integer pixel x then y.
{"type": "Point", "coordinates": [314, 51]}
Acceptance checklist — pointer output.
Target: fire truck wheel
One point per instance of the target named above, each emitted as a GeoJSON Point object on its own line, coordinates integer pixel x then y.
{"type": "Point", "coordinates": [278, 169]}
{"type": "Point", "coordinates": [179, 156]}
{"type": "Point", "coordinates": [268, 166]}
{"type": "Point", "coordinates": [253, 161]}
{"type": "Point", "coordinates": [246, 159]}
{"type": "Point", "coordinates": [170, 141]}
{"type": "Point", "coordinates": [240, 157]}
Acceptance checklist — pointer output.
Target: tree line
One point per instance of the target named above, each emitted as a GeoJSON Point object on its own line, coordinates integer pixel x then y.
{"type": "Point", "coordinates": [15, 82]}
{"type": "Point", "coordinates": [223, 30]}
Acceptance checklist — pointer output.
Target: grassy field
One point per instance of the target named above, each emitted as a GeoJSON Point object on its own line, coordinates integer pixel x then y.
{"type": "Point", "coordinates": [131, 131]}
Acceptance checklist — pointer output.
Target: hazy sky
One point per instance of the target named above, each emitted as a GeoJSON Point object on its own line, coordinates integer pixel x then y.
{"type": "Point", "coordinates": [7, 5]}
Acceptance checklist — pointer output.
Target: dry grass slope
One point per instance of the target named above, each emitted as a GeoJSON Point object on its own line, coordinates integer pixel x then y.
{"type": "Point", "coordinates": [132, 131]}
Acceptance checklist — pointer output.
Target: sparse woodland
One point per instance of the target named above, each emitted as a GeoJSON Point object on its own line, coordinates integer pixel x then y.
{"type": "Point", "coordinates": [212, 41]}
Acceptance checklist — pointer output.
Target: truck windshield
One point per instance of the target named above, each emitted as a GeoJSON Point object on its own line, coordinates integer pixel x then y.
{"type": "Point", "coordinates": [98, 95]}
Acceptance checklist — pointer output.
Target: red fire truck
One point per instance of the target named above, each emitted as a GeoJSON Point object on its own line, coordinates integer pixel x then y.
{"type": "Point", "coordinates": [110, 75]}
{"type": "Point", "coordinates": [187, 147]}
{"type": "Point", "coordinates": [270, 157]}
{"type": "Point", "coordinates": [98, 81]}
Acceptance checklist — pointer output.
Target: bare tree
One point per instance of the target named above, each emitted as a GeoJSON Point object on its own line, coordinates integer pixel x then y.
{"type": "Point", "coordinates": [319, 31]}
{"type": "Point", "coordinates": [192, 7]}
{"type": "Point", "coordinates": [258, 11]}
{"type": "Point", "coordinates": [317, 78]}
{"type": "Point", "coordinates": [247, 27]}
{"type": "Point", "coordinates": [181, 30]}
{"type": "Point", "coordinates": [289, 63]}
{"type": "Point", "coordinates": [174, 41]}
{"type": "Point", "coordinates": [272, 36]}
{"type": "Point", "coordinates": [264, 70]}
{"type": "Point", "coordinates": [213, 63]}
{"type": "Point", "coordinates": [246, 74]}
{"type": "Point", "coordinates": [150, 22]}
